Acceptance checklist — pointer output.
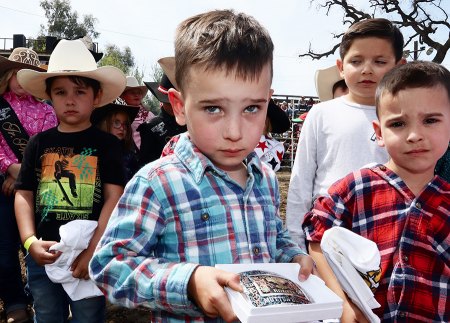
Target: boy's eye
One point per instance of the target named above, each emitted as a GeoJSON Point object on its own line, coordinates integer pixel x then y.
{"type": "Point", "coordinates": [58, 92]}
{"type": "Point", "coordinates": [212, 109]}
{"type": "Point", "coordinates": [397, 124]}
{"type": "Point", "coordinates": [355, 61]}
{"type": "Point", "coordinates": [380, 62]}
{"type": "Point", "coordinates": [252, 109]}
{"type": "Point", "coordinates": [430, 120]}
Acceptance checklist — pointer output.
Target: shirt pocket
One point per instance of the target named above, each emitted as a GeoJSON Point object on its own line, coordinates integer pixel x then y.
{"type": "Point", "coordinates": [206, 235]}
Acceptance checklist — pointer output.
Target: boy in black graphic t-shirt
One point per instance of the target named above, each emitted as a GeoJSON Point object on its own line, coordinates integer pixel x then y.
{"type": "Point", "coordinates": [71, 172]}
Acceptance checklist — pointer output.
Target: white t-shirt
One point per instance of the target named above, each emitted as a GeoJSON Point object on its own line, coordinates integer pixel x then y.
{"type": "Point", "coordinates": [337, 137]}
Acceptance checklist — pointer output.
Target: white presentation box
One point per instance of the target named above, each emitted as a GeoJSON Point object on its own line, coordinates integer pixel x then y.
{"type": "Point", "coordinates": [276, 298]}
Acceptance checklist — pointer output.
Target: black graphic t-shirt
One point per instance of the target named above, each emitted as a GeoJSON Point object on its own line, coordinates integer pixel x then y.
{"type": "Point", "coordinates": [66, 172]}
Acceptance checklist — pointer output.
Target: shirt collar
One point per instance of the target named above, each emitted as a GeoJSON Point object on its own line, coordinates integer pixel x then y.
{"type": "Point", "coordinates": [197, 163]}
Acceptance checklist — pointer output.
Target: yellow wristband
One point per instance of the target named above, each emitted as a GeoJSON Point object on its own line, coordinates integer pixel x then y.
{"type": "Point", "coordinates": [27, 244]}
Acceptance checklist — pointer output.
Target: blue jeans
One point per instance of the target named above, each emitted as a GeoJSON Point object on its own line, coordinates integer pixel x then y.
{"type": "Point", "coordinates": [11, 285]}
{"type": "Point", "coordinates": [51, 303]}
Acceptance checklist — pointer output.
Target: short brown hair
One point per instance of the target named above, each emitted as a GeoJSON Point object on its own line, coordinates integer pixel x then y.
{"type": "Point", "coordinates": [375, 27]}
{"type": "Point", "coordinates": [412, 75]}
{"type": "Point", "coordinates": [78, 80]}
{"type": "Point", "coordinates": [222, 39]}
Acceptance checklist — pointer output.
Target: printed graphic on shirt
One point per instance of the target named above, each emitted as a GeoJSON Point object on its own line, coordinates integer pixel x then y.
{"type": "Point", "coordinates": [372, 278]}
{"type": "Point", "coordinates": [67, 188]}
{"type": "Point", "coordinates": [159, 129]}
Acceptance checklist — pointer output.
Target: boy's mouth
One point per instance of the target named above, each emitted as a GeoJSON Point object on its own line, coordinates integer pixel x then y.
{"type": "Point", "coordinates": [367, 82]}
{"type": "Point", "coordinates": [232, 151]}
{"type": "Point", "coordinates": [416, 151]}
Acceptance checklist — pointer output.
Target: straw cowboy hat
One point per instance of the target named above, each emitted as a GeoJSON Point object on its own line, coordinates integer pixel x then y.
{"type": "Point", "coordinates": [279, 120]}
{"type": "Point", "coordinates": [87, 41]}
{"type": "Point", "coordinates": [132, 83]}
{"type": "Point", "coordinates": [118, 105]}
{"type": "Point", "coordinates": [20, 58]}
{"type": "Point", "coordinates": [71, 57]}
{"type": "Point", "coordinates": [160, 90]}
{"type": "Point", "coordinates": [325, 80]}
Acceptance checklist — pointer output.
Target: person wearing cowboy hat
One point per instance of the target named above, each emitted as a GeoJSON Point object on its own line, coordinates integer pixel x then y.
{"type": "Point", "coordinates": [45, 200]}
{"type": "Point", "coordinates": [21, 116]}
{"type": "Point", "coordinates": [133, 95]}
{"type": "Point", "coordinates": [116, 118]}
{"type": "Point", "coordinates": [157, 132]}
{"type": "Point", "coordinates": [329, 83]}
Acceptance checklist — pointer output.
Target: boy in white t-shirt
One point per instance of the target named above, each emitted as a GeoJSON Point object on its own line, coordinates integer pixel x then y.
{"type": "Point", "coordinates": [337, 137]}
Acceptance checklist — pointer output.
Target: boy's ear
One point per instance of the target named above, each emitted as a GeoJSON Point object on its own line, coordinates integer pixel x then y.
{"type": "Point", "coordinates": [378, 134]}
{"type": "Point", "coordinates": [401, 61]}
{"type": "Point", "coordinates": [177, 102]}
{"type": "Point", "coordinates": [340, 67]}
{"type": "Point", "coordinates": [98, 97]}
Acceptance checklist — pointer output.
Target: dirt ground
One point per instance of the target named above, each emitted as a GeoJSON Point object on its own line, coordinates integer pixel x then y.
{"type": "Point", "coordinates": [117, 314]}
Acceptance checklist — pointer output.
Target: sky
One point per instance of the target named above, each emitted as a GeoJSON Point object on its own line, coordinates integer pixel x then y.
{"type": "Point", "coordinates": [148, 28]}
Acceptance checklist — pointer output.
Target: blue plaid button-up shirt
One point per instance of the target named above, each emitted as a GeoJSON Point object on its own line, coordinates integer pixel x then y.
{"type": "Point", "coordinates": [181, 211]}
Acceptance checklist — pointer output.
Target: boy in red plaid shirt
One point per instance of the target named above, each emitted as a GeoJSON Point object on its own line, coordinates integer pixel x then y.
{"type": "Point", "coordinates": [401, 205]}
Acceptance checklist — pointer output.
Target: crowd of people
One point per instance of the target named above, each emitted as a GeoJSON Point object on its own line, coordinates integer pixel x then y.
{"type": "Point", "coordinates": [113, 203]}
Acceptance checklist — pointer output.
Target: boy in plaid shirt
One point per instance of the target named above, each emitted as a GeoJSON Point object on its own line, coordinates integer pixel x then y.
{"type": "Point", "coordinates": [401, 205]}
{"type": "Point", "coordinates": [211, 201]}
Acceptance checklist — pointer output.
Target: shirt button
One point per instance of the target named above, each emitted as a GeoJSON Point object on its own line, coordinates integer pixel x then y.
{"type": "Point", "coordinates": [405, 258]}
{"type": "Point", "coordinates": [205, 216]}
{"type": "Point", "coordinates": [382, 167]}
{"type": "Point", "coordinates": [418, 205]}
{"type": "Point", "coordinates": [256, 251]}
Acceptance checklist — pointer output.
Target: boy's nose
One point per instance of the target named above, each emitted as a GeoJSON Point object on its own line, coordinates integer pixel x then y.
{"type": "Point", "coordinates": [69, 99]}
{"type": "Point", "coordinates": [233, 129]}
{"type": "Point", "coordinates": [414, 135]}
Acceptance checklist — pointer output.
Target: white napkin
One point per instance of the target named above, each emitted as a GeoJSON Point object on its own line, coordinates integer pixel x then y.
{"type": "Point", "coordinates": [75, 237]}
{"type": "Point", "coordinates": [352, 256]}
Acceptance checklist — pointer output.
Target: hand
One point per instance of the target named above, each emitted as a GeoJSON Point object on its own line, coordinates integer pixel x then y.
{"type": "Point", "coordinates": [40, 253]}
{"type": "Point", "coordinates": [206, 289]}
{"type": "Point", "coordinates": [8, 185]}
{"type": "Point", "coordinates": [351, 313]}
{"type": "Point", "coordinates": [13, 170]}
{"type": "Point", "coordinates": [79, 266]}
{"type": "Point", "coordinates": [307, 266]}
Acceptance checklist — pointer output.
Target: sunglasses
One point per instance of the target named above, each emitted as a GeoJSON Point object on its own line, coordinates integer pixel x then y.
{"type": "Point", "coordinates": [117, 124]}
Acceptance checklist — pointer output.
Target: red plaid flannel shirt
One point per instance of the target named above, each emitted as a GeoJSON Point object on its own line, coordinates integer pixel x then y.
{"type": "Point", "coordinates": [412, 234]}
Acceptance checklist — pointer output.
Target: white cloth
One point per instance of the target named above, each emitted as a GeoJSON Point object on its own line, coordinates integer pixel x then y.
{"type": "Point", "coordinates": [350, 256]}
{"type": "Point", "coordinates": [337, 137]}
{"type": "Point", "coordinates": [75, 237]}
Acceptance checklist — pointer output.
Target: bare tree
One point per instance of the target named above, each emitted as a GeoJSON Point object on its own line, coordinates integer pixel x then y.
{"type": "Point", "coordinates": [425, 21]}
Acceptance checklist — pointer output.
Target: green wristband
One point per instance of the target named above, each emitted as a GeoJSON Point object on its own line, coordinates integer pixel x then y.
{"type": "Point", "coordinates": [27, 244]}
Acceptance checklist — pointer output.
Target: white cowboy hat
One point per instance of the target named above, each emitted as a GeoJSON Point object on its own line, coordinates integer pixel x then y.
{"type": "Point", "coordinates": [325, 80]}
{"type": "Point", "coordinates": [132, 83]}
{"type": "Point", "coordinates": [71, 57]}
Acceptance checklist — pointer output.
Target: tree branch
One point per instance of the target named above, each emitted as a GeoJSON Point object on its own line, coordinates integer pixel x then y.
{"type": "Point", "coordinates": [420, 16]}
